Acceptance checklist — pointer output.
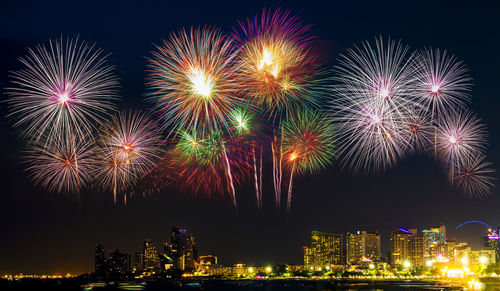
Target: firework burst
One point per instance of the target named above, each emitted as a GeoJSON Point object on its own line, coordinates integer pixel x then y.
{"type": "Point", "coordinates": [208, 162]}
{"type": "Point", "coordinates": [373, 100]}
{"type": "Point", "coordinates": [307, 144]}
{"type": "Point", "coordinates": [192, 80]}
{"type": "Point", "coordinates": [418, 130]}
{"type": "Point", "coordinates": [460, 136]}
{"type": "Point", "coordinates": [276, 70]}
{"type": "Point", "coordinates": [474, 176]}
{"type": "Point", "coordinates": [442, 82]}
{"type": "Point", "coordinates": [128, 148]}
{"type": "Point", "coordinates": [66, 87]}
{"type": "Point", "coordinates": [63, 164]}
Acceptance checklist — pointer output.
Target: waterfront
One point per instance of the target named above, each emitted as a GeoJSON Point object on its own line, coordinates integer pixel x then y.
{"type": "Point", "coordinates": [243, 285]}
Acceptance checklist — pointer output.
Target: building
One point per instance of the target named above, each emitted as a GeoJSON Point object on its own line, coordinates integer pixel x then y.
{"type": "Point", "coordinates": [326, 249]}
{"type": "Point", "coordinates": [400, 246]}
{"type": "Point", "coordinates": [100, 261]}
{"type": "Point", "coordinates": [182, 249]}
{"type": "Point", "coordinates": [416, 247]}
{"type": "Point", "coordinates": [119, 263]}
{"type": "Point", "coordinates": [434, 242]}
{"type": "Point", "coordinates": [491, 242]}
{"type": "Point", "coordinates": [139, 261]}
{"type": "Point", "coordinates": [362, 246]}
{"type": "Point", "coordinates": [151, 260]}
{"type": "Point", "coordinates": [482, 257]}
{"type": "Point", "coordinates": [462, 253]}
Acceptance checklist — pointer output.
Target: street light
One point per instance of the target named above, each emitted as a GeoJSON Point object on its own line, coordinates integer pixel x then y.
{"type": "Point", "coordinates": [406, 264]}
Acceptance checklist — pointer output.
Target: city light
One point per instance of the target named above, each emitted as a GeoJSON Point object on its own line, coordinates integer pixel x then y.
{"type": "Point", "coordinates": [483, 260]}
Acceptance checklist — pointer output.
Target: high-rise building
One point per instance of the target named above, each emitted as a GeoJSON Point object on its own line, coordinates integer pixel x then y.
{"type": "Point", "coordinates": [119, 263]}
{"type": "Point", "coordinates": [182, 249]}
{"type": "Point", "coordinates": [326, 249]}
{"type": "Point", "coordinates": [100, 260]}
{"type": "Point", "coordinates": [462, 252]}
{"type": "Point", "coordinates": [491, 242]}
{"type": "Point", "coordinates": [362, 246]}
{"type": "Point", "coordinates": [406, 247]}
{"type": "Point", "coordinates": [434, 242]}
{"type": "Point", "coordinates": [416, 247]}
{"type": "Point", "coordinates": [139, 261]}
{"type": "Point", "coordinates": [151, 261]}
{"type": "Point", "coordinates": [400, 246]}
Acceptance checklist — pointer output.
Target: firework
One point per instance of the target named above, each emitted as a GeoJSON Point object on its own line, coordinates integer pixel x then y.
{"type": "Point", "coordinates": [63, 164]}
{"type": "Point", "coordinates": [208, 162]}
{"type": "Point", "coordinates": [418, 130]}
{"type": "Point", "coordinates": [373, 100]}
{"type": "Point", "coordinates": [276, 70]}
{"type": "Point", "coordinates": [65, 87]}
{"type": "Point", "coordinates": [192, 80]}
{"type": "Point", "coordinates": [127, 149]}
{"type": "Point", "coordinates": [460, 136]}
{"type": "Point", "coordinates": [473, 176]}
{"type": "Point", "coordinates": [442, 82]}
{"type": "Point", "coordinates": [307, 144]}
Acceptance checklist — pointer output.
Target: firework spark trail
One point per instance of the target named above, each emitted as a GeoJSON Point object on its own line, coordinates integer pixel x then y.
{"type": "Point", "coordinates": [65, 88]}
{"type": "Point", "coordinates": [230, 176]}
{"type": "Point", "coordinates": [289, 199]}
{"type": "Point", "coordinates": [256, 178]}
{"type": "Point", "coordinates": [260, 178]}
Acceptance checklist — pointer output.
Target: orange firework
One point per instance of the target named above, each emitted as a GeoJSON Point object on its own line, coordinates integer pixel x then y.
{"type": "Point", "coordinates": [276, 69]}
{"type": "Point", "coordinates": [192, 79]}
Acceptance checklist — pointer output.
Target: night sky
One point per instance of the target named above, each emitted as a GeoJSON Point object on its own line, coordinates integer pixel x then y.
{"type": "Point", "coordinates": [43, 232]}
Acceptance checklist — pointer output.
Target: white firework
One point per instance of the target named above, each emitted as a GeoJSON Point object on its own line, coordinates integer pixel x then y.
{"type": "Point", "coordinates": [373, 99]}
{"type": "Point", "coordinates": [65, 87]}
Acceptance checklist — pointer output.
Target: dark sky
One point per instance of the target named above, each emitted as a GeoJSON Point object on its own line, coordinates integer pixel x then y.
{"type": "Point", "coordinates": [51, 233]}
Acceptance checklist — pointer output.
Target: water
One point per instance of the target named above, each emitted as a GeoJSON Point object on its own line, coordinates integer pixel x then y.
{"type": "Point", "coordinates": [228, 285]}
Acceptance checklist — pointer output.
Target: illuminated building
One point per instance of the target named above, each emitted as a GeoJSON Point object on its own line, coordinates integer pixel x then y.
{"type": "Point", "coordinates": [491, 241]}
{"type": "Point", "coordinates": [206, 264]}
{"type": "Point", "coordinates": [450, 249]}
{"type": "Point", "coordinates": [483, 257]}
{"type": "Point", "coordinates": [151, 261]}
{"type": "Point", "coordinates": [326, 249]}
{"type": "Point", "coordinates": [139, 261]}
{"type": "Point", "coordinates": [434, 242]}
{"type": "Point", "coordinates": [400, 249]}
{"type": "Point", "coordinates": [100, 260]}
{"type": "Point", "coordinates": [416, 247]}
{"type": "Point", "coordinates": [462, 251]}
{"type": "Point", "coordinates": [182, 249]}
{"type": "Point", "coordinates": [362, 246]}
{"type": "Point", "coordinates": [119, 263]}
{"type": "Point", "coordinates": [406, 247]}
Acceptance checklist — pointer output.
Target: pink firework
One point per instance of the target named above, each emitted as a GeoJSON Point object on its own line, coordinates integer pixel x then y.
{"type": "Point", "coordinates": [62, 164]}
{"type": "Point", "coordinates": [66, 87]}
{"type": "Point", "coordinates": [128, 148]}
{"type": "Point", "coordinates": [474, 176]}
{"type": "Point", "coordinates": [442, 82]}
{"type": "Point", "coordinates": [373, 104]}
{"type": "Point", "coordinates": [460, 136]}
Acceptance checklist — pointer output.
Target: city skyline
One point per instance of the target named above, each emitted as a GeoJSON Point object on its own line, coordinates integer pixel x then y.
{"type": "Point", "coordinates": [52, 233]}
